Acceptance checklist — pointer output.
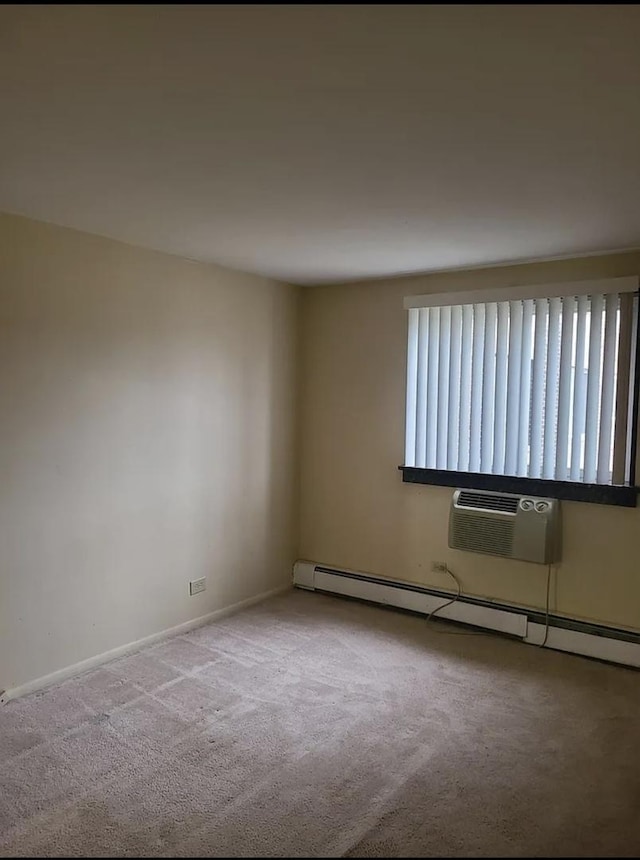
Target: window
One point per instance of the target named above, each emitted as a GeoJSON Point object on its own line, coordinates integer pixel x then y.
{"type": "Point", "coordinates": [533, 383]}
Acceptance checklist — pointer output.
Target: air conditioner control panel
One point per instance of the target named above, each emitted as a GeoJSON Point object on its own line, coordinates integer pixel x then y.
{"type": "Point", "coordinates": [540, 505]}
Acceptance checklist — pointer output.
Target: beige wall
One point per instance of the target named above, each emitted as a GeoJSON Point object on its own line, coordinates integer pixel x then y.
{"type": "Point", "coordinates": [147, 437]}
{"type": "Point", "coordinates": [355, 510]}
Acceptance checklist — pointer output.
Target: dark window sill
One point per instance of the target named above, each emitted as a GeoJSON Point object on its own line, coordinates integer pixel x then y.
{"type": "Point", "coordinates": [600, 494]}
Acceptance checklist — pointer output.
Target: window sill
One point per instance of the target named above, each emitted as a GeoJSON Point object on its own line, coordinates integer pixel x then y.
{"type": "Point", "coordinates": [600, 494]}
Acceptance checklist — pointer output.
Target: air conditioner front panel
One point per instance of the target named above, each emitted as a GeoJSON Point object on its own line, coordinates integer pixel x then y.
{"type": "Point", "coordinates": [476, 532]}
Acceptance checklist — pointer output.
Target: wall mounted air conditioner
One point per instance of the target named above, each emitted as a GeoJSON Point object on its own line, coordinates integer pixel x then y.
{"type": "Point", "coordinates": [512, 526]}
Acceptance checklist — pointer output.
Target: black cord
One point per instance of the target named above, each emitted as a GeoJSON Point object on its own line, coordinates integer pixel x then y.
{"type": "Point", "coordinates": [546, 614]}
{"type": "Point", "coordinates": [448, 603]}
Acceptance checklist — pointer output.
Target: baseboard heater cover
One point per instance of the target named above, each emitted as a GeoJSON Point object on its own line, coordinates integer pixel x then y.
{"type": "Point", "coordinates": [565, 634]}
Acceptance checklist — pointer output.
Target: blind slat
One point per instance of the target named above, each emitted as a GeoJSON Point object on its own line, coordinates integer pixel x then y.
{"type": "Point", "coordinates": [432, 387]}
{"type": "Point", "coordinates": [594, 379]}
{"type": "Point", "coordinates": [538, 380]}
{"type": "Point", "coordinates": [455, 357]}
{"type": "Point", "coordinates": [623, 386]}
{"type": "Point", "coordinates": [477, 373]}
{"type": "Point", "coordinates": [412, 387]}
{"type": "Point", "coordinates": [525, 388]}
{"type": "Point", "coordinates": [605, 452]}
{"type": "Point", "coordinates": [632, 471]}
{"type": "Point", "coordinates": [488, 388]}
{"type": "Point", "coordinates": [502, 355]}
{"type": "Point", "coordinates": [579, 390]}
{"type": "Point", "coordinates": [514, 373]}
{"type": "Point", "coordinates": [421, 401]}
{"type": "Point", "coordinates": [565, 393]}
{"type": "Point", "coordinates": [466, 352]}
{"type": "Point", "coordinates": [444, 358]}
{"type": "Point", "coordinates": [552, 383]}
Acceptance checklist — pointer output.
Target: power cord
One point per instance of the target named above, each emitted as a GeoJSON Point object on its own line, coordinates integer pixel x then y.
{"type": "Point", "coordinates": [546, 613]}
{"type": "Point", "coordinates": [445, 569]}
{"type": "Point", "coordinates": [457, 595]}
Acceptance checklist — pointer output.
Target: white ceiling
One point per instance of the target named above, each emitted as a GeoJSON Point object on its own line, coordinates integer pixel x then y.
{"type": "Point", "coordinates": [325, 143]}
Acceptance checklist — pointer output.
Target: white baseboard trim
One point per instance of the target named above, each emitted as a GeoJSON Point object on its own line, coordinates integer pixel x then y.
{"type": "Point", "coordinates": [493, 619]}
{"type": "Point", "coordinates": [586, 644]}
{"type": "Point", "coordinates": [564, 634]}
{"type": "Point", "coordinates": [92, 662]}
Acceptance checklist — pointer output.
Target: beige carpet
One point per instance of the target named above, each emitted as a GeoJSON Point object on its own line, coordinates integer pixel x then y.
{"type": "Point", "coordinates": [311, 726]}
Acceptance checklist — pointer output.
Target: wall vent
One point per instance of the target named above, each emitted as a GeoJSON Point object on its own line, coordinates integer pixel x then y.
{"type": "Point", "coordinates": [511, 526]}
{"type": "Point", "coordinates": [488, 501]}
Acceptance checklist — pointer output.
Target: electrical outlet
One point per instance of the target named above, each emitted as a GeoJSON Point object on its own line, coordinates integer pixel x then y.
{"type": "Point", "coordinates": [197, 585]}
{"type": "Point", "coordinates": [438, 567]}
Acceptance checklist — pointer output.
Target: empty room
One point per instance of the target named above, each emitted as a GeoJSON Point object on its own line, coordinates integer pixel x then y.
{"type": "Point", "coordinates": [319, 396]}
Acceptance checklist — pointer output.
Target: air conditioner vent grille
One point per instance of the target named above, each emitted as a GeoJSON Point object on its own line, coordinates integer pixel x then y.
{"type": "Point", "coordinates": [481, 534]}
{"type": "Point", "coordinates": [488, 501]}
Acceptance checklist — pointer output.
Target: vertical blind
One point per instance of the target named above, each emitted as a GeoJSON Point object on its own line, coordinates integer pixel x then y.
{"type": "Point", "coordinates": [538, 388]}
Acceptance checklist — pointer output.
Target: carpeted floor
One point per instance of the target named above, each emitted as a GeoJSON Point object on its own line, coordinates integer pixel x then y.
{"type": "Point", "coordinates": [311, 726]}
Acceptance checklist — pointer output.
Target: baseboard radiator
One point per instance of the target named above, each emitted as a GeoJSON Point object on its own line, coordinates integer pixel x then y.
{"type": "Point", "coordinates": [615, 645]}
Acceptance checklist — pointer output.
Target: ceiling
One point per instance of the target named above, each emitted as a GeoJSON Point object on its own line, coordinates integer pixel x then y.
{"type": "Point", "coordinates": [327, 143]}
